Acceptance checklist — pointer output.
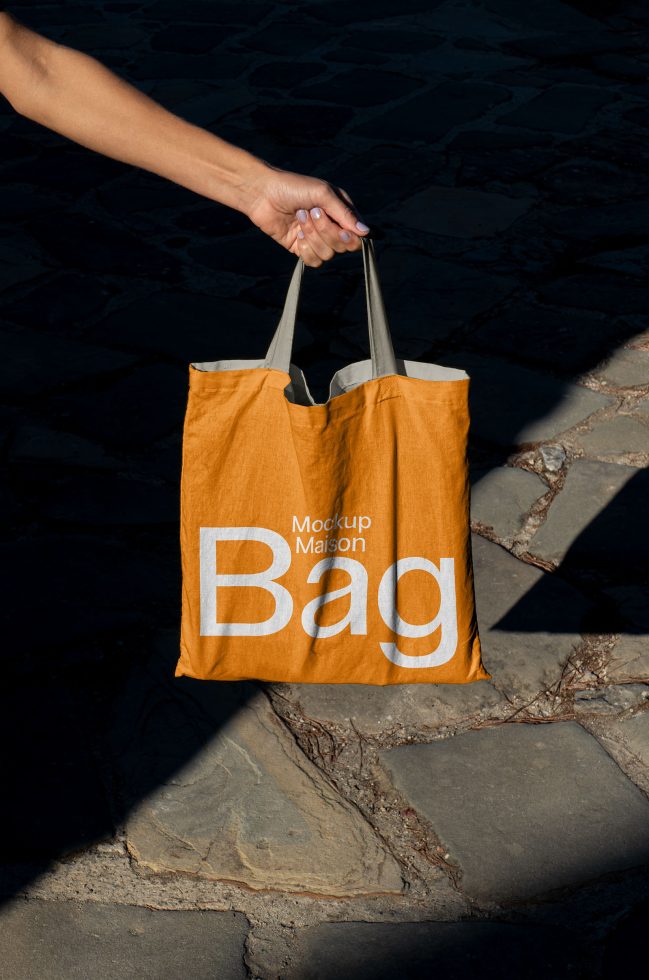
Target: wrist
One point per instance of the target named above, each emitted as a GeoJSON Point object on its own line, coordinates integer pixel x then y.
{"type": "Point", "coordinates": [251, 182]}
{"type": "Point", "coordinates": [235, 176]}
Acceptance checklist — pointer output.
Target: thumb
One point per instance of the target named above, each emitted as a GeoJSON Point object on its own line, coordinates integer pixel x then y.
{"type": "Point", "coordinates": [340, 208]}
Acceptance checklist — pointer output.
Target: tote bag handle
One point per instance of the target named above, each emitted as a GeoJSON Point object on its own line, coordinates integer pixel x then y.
{"type": "Point", "coordinates": [381, 350]}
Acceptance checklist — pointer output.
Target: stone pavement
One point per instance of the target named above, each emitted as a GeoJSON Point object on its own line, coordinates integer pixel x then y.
{"type": "Point", "coordinates": [165, 828]}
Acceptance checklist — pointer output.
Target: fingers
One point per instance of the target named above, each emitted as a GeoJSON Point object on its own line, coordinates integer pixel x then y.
{"type": "Point", "coordinates": [330, 227]}
{"type": "Point", "coordinates": [341, 209]}
{"type": "Point", "coordinates": [304, 249]}
{"type": "Point", "coordinates": [319, 238]}
{"type": "Point", "coordinates": [313, 249]}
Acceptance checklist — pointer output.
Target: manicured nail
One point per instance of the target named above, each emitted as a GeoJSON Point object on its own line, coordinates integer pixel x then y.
{"type": "Point", "coordinates": [316, 213]}
{"type": "Point", "coordinates": [345, 236]}
{"type": "Point", "coordinates": [302, 215]}
{"type": "Point", "coordinates": [361, 226]}
{"type": "Point", "coordinates": [300, 233]}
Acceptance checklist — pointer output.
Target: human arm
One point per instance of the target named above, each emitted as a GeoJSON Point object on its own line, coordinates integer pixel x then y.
{"type": "Point", "coordinates": [75, 95]}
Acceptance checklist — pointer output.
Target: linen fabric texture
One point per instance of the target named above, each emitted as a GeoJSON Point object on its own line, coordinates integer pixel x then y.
{"type": "Point", "coordinates": [327, 543]}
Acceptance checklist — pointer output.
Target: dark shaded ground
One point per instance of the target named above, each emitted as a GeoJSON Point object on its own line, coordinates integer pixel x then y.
{"type": "Point", "coordinates": [524, 129]}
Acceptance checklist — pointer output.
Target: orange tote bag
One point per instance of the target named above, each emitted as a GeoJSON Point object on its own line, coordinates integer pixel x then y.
{"type": "Point", "coordinates": [327, 543]}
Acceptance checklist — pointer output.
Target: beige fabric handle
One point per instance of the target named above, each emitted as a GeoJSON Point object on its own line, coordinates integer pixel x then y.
{"type": "Point", "coordinates": [381, 350]}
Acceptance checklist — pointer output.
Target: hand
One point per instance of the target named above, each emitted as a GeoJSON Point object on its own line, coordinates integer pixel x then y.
{"type": "Point", "coordinates": [280, 199]}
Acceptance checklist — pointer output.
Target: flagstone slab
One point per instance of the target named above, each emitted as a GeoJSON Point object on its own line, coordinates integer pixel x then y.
{"type": "Point", "coordinates": [513, 405]}
{"type": "Point", "coordinates": [626, 739]}
{"type": "Point", "coordinates": [538, 13]}
{"type": "Point", "coordinates": [194, 10]}
{"type": "Point", "coordinates": [501, 498]}
{"type": "Point", "coordinates": [598, 291]}
{"type": "Point", "coordinates": [461, 212]}
{"type": "Point", "coordinates": [629, 660]}
{"type": "Point", "coordinates": [452, 292]}
{"type": "Point", "coordinates": [589, 522]}
{"type": "Point", "coordinates": [57, 304]}
{"type": "Point", "coordinates": [370, 85]}
{"type": "Point", "coordinates": [93, 38]}
{"type": "Point", "coordinates": [224, 793]}
{"type": "Point", "coordinates": [97, 586]}
{"type": "Point", "coordinates": [642, 408]}
{"type": "Point", "coordinates": [166, 66]}
{"type": "Point", "coordinates": [131, 326]}
{"type": "Point", "coordinates": [377, 710]}
{"type": "Point", "coordinates": [54, 796]}
{"type": "Point", "coordinates": [525, 809]}
{"type": "Point", "coordinates": [568, 341]}
{"type": "Point", "coordinates": [421, 950]}
{"type": "Point", "coordinates": [37, 361]}
{"type": "Point", "coordinates": [616, 437]}
{"type": "Point", "coordinates": [48, 445]}
{"type": "Point", "coordinates": [284, 37]}
{"type": "Point", "coordinates": [76, 940]}
{"type": "Point", "coordinates": [617, 221]}
{"type": "Point", "coordinates": [611, 700]}
{"type": "Point", "coordinates": [529, 620]}
{"type": "Point", "coordinates": [429, 115]}
{"type": "Point", "coordinates": [15, 269]}
{"type": "Point", "coordinates": [366, 10]}
{"type": "Point", "coordinates": [566, 44]}
{"type": "Point", "coordinates": [576, 181]}
{"type": "Point", "coordinates": [560, 109]}
{"type": "Point", "coordinates": [627, 367]}
{"type": "Point", "coordinates": [380, 171]}
{"type": "Point", "coordinates": [634, 733]}
{"type": "Point", "coordinates": [75, 240]}
{"type": "Point", "coordinates": [133, 410]}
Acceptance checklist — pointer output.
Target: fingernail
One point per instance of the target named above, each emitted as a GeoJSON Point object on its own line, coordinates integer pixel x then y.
{"type": "Point", "coordinates": [301, 215]}
{"type": "Point", "coordinates": [345, 236]}
{"type": "Point", "coordinates": [316, 213]}
{"type": "Point", "coordinates": [361, 226]}
{"type": "Point", "coordinates": [300, 233]}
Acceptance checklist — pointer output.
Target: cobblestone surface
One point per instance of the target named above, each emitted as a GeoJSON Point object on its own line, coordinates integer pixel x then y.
{"type": "Point", "coordinates": [498, 151]}
{"type": "Point", "coordinates": [62, 940]}
{"type": "Point", "coordinates": [548, 805]}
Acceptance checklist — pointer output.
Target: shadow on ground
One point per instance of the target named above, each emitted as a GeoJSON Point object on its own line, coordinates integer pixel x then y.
{"type": "Point", "coordinates": [115, 281]}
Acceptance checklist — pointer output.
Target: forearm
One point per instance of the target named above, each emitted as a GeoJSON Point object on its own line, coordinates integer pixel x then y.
{"type": "Point", "coordinates": [73, 94]}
